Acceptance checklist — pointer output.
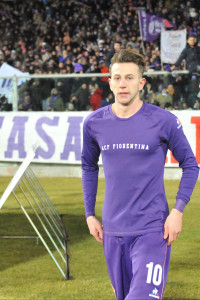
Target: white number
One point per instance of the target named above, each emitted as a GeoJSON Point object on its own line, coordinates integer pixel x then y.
{"type": "Point", "coordinates": [150, 270]}
{"type": "Point", "coordinates": [156, 272]}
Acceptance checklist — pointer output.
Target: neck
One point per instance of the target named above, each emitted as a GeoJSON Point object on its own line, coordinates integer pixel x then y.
{"type": "Point", "coordinates": [123, 111]}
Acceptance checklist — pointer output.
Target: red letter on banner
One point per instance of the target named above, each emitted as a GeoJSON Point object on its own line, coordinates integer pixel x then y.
{"type": "Point", "coordinates": [173, 160]}
{"type": "Point", "coordinates": [170, 158]}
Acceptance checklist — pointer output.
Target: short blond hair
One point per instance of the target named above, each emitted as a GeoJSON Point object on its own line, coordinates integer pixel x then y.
{"type": "Point", "coordinates": [129, 56]}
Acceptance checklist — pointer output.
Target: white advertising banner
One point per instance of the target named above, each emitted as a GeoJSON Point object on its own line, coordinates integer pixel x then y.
{"type": "Point", "coordinates": [59, 136]}
{"type": "Point", "coordinates": [172, 43]}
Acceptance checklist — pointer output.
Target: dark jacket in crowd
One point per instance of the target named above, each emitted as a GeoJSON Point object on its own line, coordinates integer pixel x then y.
{"type": "Point", "coordinates": [191, 56]}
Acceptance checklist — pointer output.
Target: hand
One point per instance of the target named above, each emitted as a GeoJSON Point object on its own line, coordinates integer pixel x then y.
{"type": "Point", "coordinates": [95, 228]}
{"type": "Point", "coordinates": [173, 226]}
{"type": "Point", "coordinates": [73, 99]}
{"type": "Point", "coordinates": [173, 67]}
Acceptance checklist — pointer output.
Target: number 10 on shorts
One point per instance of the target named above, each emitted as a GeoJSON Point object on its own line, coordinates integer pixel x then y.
{"type": "Point", "coordinates": [154, 273]}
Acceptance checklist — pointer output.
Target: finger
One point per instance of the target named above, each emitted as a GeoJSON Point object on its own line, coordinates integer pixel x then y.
{"type": "Point", "coordinates": [169, 242]}
{"type": "Point", "coordinates": [97, 234]}
{"type": "Point", "coordinates": [166, 233]}
{"type": "Point", "coordinates": [101, 234]}
{"type": "Point", "coordinates": [98, 238]}
{"type": "Point", "coordinates": [170, 239]}
{"type": "Point", "coordinates": [175, 236]}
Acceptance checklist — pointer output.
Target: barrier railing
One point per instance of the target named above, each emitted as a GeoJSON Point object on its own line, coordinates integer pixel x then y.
{"type": "Point", "coordinates": [9, 85]}
{"type": "Point", "coordinates": [40, 212]}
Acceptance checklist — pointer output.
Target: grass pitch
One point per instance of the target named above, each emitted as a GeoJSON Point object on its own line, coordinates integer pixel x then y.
{"type": "Point", "coordinates": [28, 272]}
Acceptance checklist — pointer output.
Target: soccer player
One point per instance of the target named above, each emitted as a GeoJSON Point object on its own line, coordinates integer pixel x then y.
{"type": "Point", "coordinates": [133, 138]}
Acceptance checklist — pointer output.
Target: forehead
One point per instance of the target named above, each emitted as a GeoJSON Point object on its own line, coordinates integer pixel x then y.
{"type": "Point", "coordinates": [123, 69]}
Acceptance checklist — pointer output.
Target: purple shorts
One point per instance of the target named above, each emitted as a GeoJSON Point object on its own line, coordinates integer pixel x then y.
{"type": "Point", "coordinates": [137, 265]}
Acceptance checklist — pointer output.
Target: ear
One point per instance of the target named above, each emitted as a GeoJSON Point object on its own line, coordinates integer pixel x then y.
{"type": "Point", "coordinates": [110, 83]}
{"type": "Point", "coordinates": [142, 83]}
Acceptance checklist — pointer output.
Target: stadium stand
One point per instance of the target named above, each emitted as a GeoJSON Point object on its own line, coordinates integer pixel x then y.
{"type": "Point", "coordinates": [64, 37]}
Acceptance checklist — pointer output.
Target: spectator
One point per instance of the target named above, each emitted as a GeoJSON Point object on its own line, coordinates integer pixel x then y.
{"type": "Point", "coordinates": [147, 92]}
{"type": "Point", "coordinates": [105, 70]}
{"type": "Point", "coordinates": [24, 103]}
{"type": "Point", "coordinates": [152, 99]}
{"type": "Point", "coordinates": [104, 85]}
{"type": "Point", "coordinates": [193, 88]}
{"type": "Point", "coordinates": [66, 38]}
{"type": "Point", "coordinates": [78, 68]}
{"type": "Point", "coordinates": [164, 99]}
{"type": "Point", "coordinates": [80, 98]}
{"type": "Point", "coordinates": [196, 105]}
{"type": "Point", "coordinates": [70, 107]}
{"type": "Point", "coordinates": [36, 93]}
{"type": "Point", "coordinates": [84, 64]}
{"type": "Point", "coordinates": [77, 81]}
{"type": "Point", "coordinates": [117, 45]}
{"type": "Point", "coordinates": [191, 55]}
{"type": "Point", "coordinates": [1, 58]}
{"type": "Point", "coordinates": [131, 45]}
{"type": "Point", "coordinates": [185, 106]}
{"type": "Point", "coordinates": [108, 100]}
{"type": "Point", "coordinates": [39, 90]}
{"type": "Point", "coordinates": [63, 58]}
{"type": "Point", "coordinates": [173, 91]}
{"type": "Point", "coordinates": [95, 96]}
{"type": "Point", "coordinates": [64, 86]}
{"type": "Point", "coordinates": [4, 105]}
{"type": "Point", "coordinates": [54, 102]}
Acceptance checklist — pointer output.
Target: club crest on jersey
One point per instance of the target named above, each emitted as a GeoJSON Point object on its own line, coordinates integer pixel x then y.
{"type": "Point", "coordinates": [154, 294]}
{"type": "Point", "coordinates": [178, 123]}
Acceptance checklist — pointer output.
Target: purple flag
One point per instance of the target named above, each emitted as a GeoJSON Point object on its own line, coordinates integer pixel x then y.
{"type": "Point", "coordinates": [151, 26]}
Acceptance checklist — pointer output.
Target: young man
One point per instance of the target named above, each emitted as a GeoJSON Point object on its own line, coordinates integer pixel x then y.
{"type": "Point", "coordinates": [133, 138]}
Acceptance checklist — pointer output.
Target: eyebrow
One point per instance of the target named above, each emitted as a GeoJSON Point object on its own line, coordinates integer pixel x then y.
{"type": "Point", "coordinates": [124, 75]}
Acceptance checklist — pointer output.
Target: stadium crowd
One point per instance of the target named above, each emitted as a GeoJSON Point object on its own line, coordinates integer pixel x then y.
{"type": "Point", "coordinates": [64, 37]}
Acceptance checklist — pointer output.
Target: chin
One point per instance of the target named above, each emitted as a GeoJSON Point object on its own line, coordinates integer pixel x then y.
{"type": "Point", "coordinates": [126, 102]}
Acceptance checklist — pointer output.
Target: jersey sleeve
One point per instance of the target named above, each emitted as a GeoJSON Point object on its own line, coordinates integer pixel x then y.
{"type": "Point", "coordinates": [90, 168]}
{"type": "Point", "coordinates": [182, 152]}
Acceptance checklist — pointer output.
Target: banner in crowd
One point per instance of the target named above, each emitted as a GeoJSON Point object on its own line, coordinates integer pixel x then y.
{"type": "Point", "coordinates": [59, 135]}
{"type": "Point", "coordinates": [151, 26]}
{"type": "Point", "coordinates": [172, 43]}
{"type": "Point", "coordinates": [6, 84]}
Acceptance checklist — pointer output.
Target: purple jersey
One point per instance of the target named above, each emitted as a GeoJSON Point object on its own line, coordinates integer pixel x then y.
{"type": "Point", "coordinates": [133, 154]}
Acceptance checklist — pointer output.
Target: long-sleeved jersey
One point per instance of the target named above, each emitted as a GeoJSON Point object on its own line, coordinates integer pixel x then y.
{"type": "Point", "coordinates": [133, 154]}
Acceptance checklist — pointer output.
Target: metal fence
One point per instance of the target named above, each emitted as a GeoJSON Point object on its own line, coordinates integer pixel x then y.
{"type": "Point", "coordinates": [10, 86]}
{"type": "Point", "coordinates": [40, 212]}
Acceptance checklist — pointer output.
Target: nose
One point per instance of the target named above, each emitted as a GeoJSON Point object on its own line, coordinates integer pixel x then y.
{"type": "Point", "coordinates": [122, 83]}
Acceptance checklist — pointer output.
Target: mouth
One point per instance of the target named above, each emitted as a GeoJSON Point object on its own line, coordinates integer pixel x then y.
{"type": "Point", "coordinates": [123, 94]}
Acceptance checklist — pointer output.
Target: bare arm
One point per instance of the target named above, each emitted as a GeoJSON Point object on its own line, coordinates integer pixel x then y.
{"type": "Point", "coordinates": [173, 226]}
{"type": "Point", "coordinates": [95, 228]}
